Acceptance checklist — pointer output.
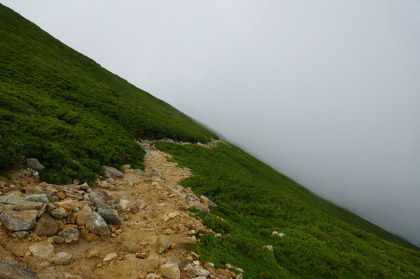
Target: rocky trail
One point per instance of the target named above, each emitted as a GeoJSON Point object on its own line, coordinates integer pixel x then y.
{"type": "Point", "coordinates": [129, 224]}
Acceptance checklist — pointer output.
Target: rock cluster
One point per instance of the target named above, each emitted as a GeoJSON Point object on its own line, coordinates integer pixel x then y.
{"type": "Point", "coordinates": [65, 212]}
{"type": "Point", "coordinates": [141, 215]}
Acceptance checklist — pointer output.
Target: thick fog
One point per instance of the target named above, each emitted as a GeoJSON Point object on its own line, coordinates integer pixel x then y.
{"type": "Point", "coordinates": [327, 92]}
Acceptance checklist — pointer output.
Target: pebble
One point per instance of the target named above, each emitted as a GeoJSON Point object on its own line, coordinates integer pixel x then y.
{"type": "Point", "coordinates": [109, 257]}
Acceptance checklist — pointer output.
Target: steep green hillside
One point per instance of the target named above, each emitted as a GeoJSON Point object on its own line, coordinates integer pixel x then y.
{"type": "Point", "coordinates": [321, 240]}
{"type": "Point", "coordinates": [64, 109]}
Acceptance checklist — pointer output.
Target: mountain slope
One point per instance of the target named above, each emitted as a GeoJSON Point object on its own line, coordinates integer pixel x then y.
{"type": "Point", "coordinates": [321, 240]}
{"type": "Point", "coordinates": [74, 116]}
{"type": "Point", "coordinates": [64, 109]}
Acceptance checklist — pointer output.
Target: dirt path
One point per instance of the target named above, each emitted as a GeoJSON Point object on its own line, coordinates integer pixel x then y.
{"type": "Point", "coordinates": [156, 228]}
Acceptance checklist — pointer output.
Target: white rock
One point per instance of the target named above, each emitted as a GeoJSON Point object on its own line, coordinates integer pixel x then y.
{"type": "Point", "coordinates": [110, 257]}
{"type": "Point", "coordinates": [42, 249]}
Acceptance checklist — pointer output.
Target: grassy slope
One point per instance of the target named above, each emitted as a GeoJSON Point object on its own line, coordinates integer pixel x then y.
{"type": "Point", "coordinates": [322, 240]}
{"type": "Point", "coordinates": [64, 109]}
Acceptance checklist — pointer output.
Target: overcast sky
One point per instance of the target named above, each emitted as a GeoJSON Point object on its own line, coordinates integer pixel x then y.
{"type": "Point", "coordinates": [327, 92]}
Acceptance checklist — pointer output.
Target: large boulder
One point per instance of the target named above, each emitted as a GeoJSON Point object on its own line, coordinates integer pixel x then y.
{"type": "Point", "coordinates": [112, 172]}
{"type": "Point", "coordinates": [19, 220]}
{"type": "Point", "coordinates": [97, 225]}
{"type": "Point", "coordinates": [109, 216]}
{"type": "Point", "coordinates": [9, 270]}
{"type": "Point", "coordinates": [46, 226]}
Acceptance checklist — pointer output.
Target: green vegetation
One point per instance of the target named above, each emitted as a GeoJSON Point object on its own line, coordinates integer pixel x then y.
{"type": "Point", "coordinates": [321, 240]}
{"type": "Point", "coordinates": [71, 114]}
{"type": "Point", "coordinates": [64, 109]}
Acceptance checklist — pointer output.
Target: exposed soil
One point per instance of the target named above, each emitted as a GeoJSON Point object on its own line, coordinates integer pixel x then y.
{"type": "Point", "coordinates": [164, 199]}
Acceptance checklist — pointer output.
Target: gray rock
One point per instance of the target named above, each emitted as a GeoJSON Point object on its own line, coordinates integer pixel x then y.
{"type": "Point", "coordinates": [46, 226]}
{"type": "Point", "coordinates": [42, 249]}
{"type": "Point", "coordinates": [112, 172]}
{"type": "Point", "coordinates": [21, 234]}
{"type": "Point", "coordinates": [109, 216]}
{"type": "Point", "coordinates": [103, 194]}
{"type": "Point", "coordinates": [97, 225]}
{"type": "Point", "coordinates": [13, 197]}
{"type": "Point", "coordinates": [37, 198]}
{"type": "Point", "coordinates": [63, 258]}
{"type": "Point", "coordinates": [110, 181]}
{"type": "Point", "coordinates": [162, 243]}
{"type": "Point", "coordinates": [34, 164]}
{"type": "Point", "coordinates": [58, 213]}
{"type": "Point", "coordinates": [19, 220]}
{"type": "Point", "coordinates": [97, 200]}
{"type": "Point", "coordinates": [139, 171]}
{"type": "Point", "coordinates": [70, 235]}
{"type": "Point", "coordinates": [9, 270]}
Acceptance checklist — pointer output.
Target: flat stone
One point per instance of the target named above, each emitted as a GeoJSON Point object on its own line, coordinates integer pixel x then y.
{"type": "Point", "coordinates": [63, 258]}
{"type": "Point", "coordinates": [46, 226]}
{"type": "Point", "coordinates": [37, 198]}
{"type": "Point", "coordinates": [42, 249]}
{"type": "Point", "coordinates": [18, 220]}
{"type": "Point", "coordinates": [9, 270]}
{"type": "Point", "coordinates": [97, 225]}
{"type": "Point", "coordinates": [70, 235]}
{"type": "Point", "coordinates": [109, 216]}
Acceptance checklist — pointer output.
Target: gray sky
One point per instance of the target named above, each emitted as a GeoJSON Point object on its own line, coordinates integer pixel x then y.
{"type": "Point", "coordinates": [327, 92]}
